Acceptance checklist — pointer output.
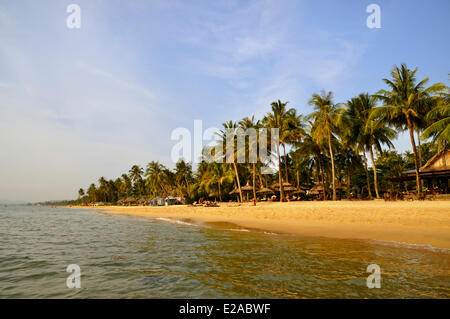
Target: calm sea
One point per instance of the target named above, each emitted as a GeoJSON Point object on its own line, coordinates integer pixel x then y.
{"type": "Point", "coordinates": [132, 257]}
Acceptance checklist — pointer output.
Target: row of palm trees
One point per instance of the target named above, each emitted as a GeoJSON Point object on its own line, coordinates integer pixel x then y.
{"type": "Point", "coordinates": [327, 147]}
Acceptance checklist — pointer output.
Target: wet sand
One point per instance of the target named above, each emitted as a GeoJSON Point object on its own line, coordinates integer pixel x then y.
{"type": "Point", "coordinates": [422, 223]}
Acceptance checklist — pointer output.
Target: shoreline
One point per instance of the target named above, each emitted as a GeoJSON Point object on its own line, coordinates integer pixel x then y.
{"type": "Point", "coordinates": [419, 223]}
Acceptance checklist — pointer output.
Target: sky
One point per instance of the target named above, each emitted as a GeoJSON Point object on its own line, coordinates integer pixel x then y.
{"type": "Point", "coordinates": [77, 104]}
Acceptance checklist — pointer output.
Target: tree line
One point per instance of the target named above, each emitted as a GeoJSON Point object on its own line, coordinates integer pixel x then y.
{"type": "Point", "coordinates": [331, 147]}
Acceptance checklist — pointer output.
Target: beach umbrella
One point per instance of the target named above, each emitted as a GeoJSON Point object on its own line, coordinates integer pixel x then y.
{"type": "Point", "coordinates": [289, 188]}
{"type": "Point", "coordinates": [265, 190]}
{"type": "Point", "coordinates": [247, 188]}
{"type": "Point", "coordinates": [285, 184]}
{"type": "Point", "coordinates": [317, 188]}
{"type": "Point", "coordinates": [299, 191]}
{"type": "Point", "coordinates": [130, 200]}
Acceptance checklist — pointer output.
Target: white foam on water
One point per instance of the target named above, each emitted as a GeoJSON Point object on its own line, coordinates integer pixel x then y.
{"type": "Point", "coordinates": [410, 245]}
{"type": "Point", "coordinates": [176, 221]}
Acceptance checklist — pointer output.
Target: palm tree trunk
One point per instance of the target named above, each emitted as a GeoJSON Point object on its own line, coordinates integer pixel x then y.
{"type": "Point", "coordinates": [260, 180]}
{"type": "Point", "coordinates": [420, 154]}
{"type": "Point", "coordinates": [333, 173]}
{"type": "Point", "coordinates": [285, 164]}
{"type": "Point", "coordinates": [413, 143]}
{"type": "Point", "coordinates": [254, 181]}
{"type": "Point", "coordinates": [280, 179]}
{"type": "Point", "coordinates": [348, 181]}
{"type": "Point", "coordinates": [420, 148]}
{"type": "Point", "coordinates": [367, 174]}
{"type": "Point", "coordinates": [317, 171]}
{"type": "Point", "coordinates": [298, 179]}
{"type": "Point", "coordinates": [220, 193]}
{"type": "Point", "coordinates": [323, 180]}
{"type": "Point", "coordinates": [187, 184]}
{"type": "Point", "coordinates": [238, 182]}
{"type": "Point", "coordinates": [374, 172]}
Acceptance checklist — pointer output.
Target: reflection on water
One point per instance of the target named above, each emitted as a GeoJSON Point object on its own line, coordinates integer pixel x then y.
{"type": "Point", "coordinates": [131, 257]}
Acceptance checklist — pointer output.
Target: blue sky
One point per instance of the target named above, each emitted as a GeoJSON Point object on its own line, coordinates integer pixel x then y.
{"type": "Point", "coordinates": [77, 104]}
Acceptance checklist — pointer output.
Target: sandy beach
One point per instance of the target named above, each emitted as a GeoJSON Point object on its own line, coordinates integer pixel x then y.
{"type": "Point", "coordinates": [422, 223]}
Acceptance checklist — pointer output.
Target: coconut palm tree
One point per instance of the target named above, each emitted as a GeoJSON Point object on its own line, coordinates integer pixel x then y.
{"type": "Point", "coordinates": [327, 119]}
{"type": "Point", "coordinates": [92, 193]}
{"type": "Point", "coordinates": [156, 178]}
{"type": "Point", "coordinates": [292, 132]}
{"type": "Point", "coordinates": [403, 104]}
{"type": "Point", "coordinates": [125, 187]}
{"type": "Point", "coordinates": [277, 120]}
{"type": "Point", "coordinates": [183, 175]}
{"type": "Point", "coordinates": [439, 116]}
{"type": "Point", "coordinates": [217, 174]}
{"type": "Point", "coordinates": [368, 132]}
{"type": "Point", "coordinates": [230, 130]}
{"type": "Point", "coordinates": [246, 124]}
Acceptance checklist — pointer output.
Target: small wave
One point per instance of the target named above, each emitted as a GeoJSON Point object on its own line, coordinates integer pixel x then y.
{"type": "Point", "coordinates": [176, 221]}
{"type": "Point", "coordinates": [239, 229]}
{"type": "Point", "coordinates": [410, 245]}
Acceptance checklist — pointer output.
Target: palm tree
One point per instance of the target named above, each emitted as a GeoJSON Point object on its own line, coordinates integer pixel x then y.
{"type": "Point", "coordinates": [277, 120]}
{"type": "Point", "coordinates": [125, 187]}
{"type": "Point", "coordinates": [217, 173]}
{"type": "Point", "coordinates": [246, 124]}
{"type": "Point", "coordinates": [230, 128]}
{"type": "Point", "coordinates": [92, 193]}
{"type": "Point", "coordinates": [440, 118]}
{"type": "Point", "coordinates": [135, 174]}
{"type": "Point", "coordinates": [293, 131]}
{"type": "Point", "coordinates": [156, 178]}
{"type": "Point", "coordinates": [81, 193]}
{"type": "Point", "coordinates": [369, 133]}
{"type": "Point", "coordinates": [183, 174]}
{"type": "Point", "coordinates": [308, 147]}
{"type": "Point", "coordinates": [404, 102]}
{"type": "Point", "coordinates": [327, 118]}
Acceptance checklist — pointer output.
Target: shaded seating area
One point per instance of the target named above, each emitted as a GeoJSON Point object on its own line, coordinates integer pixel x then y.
{"type": "Point", "coordinates": [435, 175]}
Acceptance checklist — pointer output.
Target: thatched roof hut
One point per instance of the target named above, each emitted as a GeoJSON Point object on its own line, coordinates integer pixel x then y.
{"type": "Point", "coordinates": [130, 201]}
{"type": "Point", "coordinates": [247, 188]}
{"type": "Point", "coordinates": [265, 190]}
{"type": "Point", "coordinates": [317, 188]}
{"type": "Point", "coordinates": [285, 184]}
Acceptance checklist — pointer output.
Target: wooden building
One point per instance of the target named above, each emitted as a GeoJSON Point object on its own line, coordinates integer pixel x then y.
{"type": "Point", "coordinates": [435, 173]}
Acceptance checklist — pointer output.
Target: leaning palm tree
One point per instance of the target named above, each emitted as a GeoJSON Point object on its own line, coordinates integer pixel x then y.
{"type": "Point", "coordinates": [327, 119]}
{"type": "Point", "coordinates": [403, 104]}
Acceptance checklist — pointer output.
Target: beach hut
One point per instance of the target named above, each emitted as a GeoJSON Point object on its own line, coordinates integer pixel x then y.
{"type": "Point", "coordinates": [316, 190]}
{"type": "Point", "coordinates": [435, 173]}
{"type": "Point", "coordinates": [142, 201]}
{"type": "Point", "coordinates": [277, 186]}
{"type": "Point", "coordinates": [247, 189]}
{"type": "Point", "coordinates": [130, 201]}
{"type": "Point", "coordinates": [171, 200]}
{"type": "Point", "coordinates": [265, 190]}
